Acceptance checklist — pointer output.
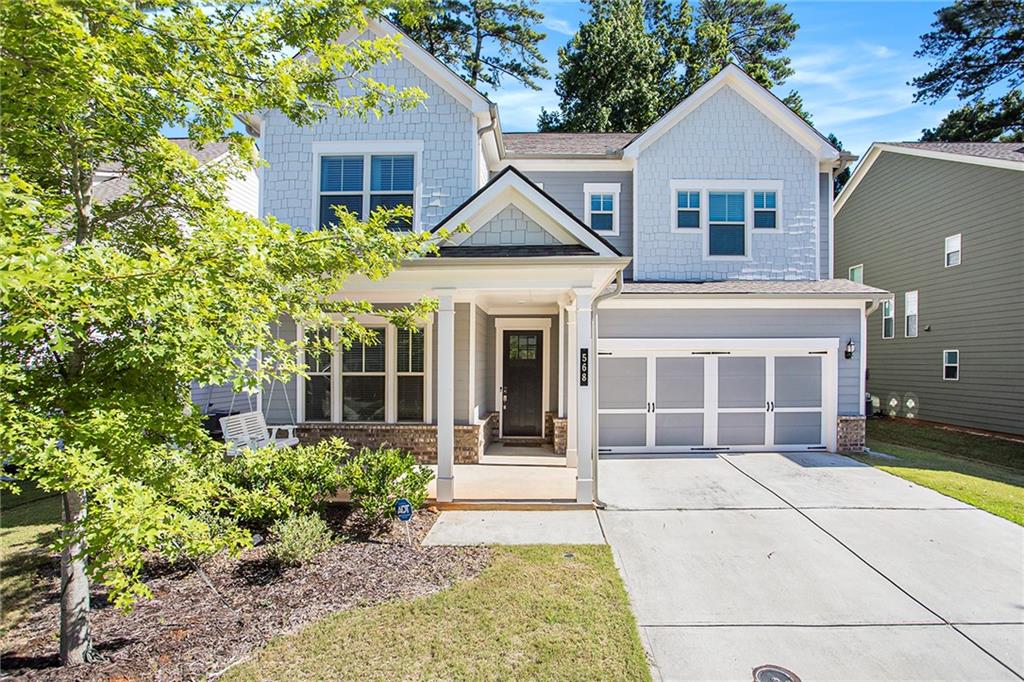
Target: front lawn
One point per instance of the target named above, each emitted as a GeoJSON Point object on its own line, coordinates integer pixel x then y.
{"type": "Point", "coordinates": [539, 612]}
{"type": "Point", "coordinates": [28, 522]}
{"type": "Point", "coordinates": [955, 464]}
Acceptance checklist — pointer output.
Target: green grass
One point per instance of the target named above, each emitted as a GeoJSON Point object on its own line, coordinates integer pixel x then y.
{"type": "Point", "coordinates": [27, 525]}
{"type": "Point", "coordinates": [534, 613]}
{"type": "Point", "coordinates": [955, 464]}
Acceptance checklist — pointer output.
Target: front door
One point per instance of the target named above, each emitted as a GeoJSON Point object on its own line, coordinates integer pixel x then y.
{"type": "Point", "coordinates": [522, 389]}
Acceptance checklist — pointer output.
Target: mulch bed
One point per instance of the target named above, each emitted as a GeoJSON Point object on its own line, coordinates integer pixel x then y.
{"type": "Point", "coordinates": [187, 632]}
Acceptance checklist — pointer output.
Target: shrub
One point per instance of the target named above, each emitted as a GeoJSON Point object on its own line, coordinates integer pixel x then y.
{"type": "Point", "coordinates": [298, 538]}
{"type": "Point", "coordinates": [377, 478]}
{"type": "Point", "coordinates": [272, 483]}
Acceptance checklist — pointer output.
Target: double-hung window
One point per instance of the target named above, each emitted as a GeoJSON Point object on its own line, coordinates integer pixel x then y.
{"type": "Point", "coordinates": [910, 315]}
{"type": "Point", "coordinates": [953, 251]}
{"type": "Point", "coordinates": [601, 208]}
{"type": "Point", "coordinates": [727, 224]}
{"type": "Point", "coordinates": [687, 210]}
{"type": "Point", "coordinates": [888, 319]}
{"type": "Point", "coordinates": [765, 210]}
{"type": "Point", "coordinates": [951, 365]}
{"type": "Point", "coordinates": [361, 183]}
{"type": "Point", "coordinates": [385, 379]}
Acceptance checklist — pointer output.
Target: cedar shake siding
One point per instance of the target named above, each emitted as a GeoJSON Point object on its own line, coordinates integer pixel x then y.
{"type": "Point", "coordinates": [896, 223]}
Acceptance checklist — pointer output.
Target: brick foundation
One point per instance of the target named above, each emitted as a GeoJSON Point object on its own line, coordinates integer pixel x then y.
{"type": "Point", "coordinates": [420, 439]}
{"type": "Point", "coordinates": [851, 435]}
{"type": "Point", "coordinates": [561, 435]}
{"type": "Point", "coordinates": [549, 427]}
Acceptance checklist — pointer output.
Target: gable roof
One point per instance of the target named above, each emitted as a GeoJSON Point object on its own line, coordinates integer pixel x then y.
{"type": "Point", "coordinates": [510, 181]}
{"type": "Point", "coordinates": [111, 182]}
{"type": "Point", "coordinates": [759, 96]}
{"type": "Point", "coordinates": [580, 145]}
{"type": "Point", "coordinates": [1006, 155]}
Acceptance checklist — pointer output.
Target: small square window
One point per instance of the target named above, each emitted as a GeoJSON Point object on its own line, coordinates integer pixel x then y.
{"type": "Point", "coordinates": [951, 365]}
{"type": "Point", "coordinates": [953, 252]}
{"type": "Point", "coordinates": [687, 210]}
{"type": "Point", "coordinates": [765, 210]}
{"type": "Point", "coordinates": [888, 319]}
{"type": "Point", "coordinates": [601, 208]}
{"type": "Point", "coordinates": [857, 274]}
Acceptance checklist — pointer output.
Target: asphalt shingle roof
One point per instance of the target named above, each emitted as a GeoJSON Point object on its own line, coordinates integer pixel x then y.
{"type": "Point", "coordinates": [521, 251]}
{"type": "Point", "coordinates": [565, 144]}
{"type": "Point", "coordinates": [1005, 151]}
{"type": "Point", "coordinates": [834, 287]}
{"type": "Point", "coordinates": [111, 184]}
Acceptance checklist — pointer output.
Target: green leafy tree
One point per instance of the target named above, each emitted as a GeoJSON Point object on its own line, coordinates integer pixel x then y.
{"type": "Point", "coordinates": [1000, 120]}
{"type": "Point", "coordinates": [975, 46]}
{"type": "Point", "coordinates": [839, 180]}
{"type": "Point", "coordinates": [108, 310]}
{"type": "Point", "coordinates": [483, 40]}
{"type": "Point", "coordinates": [641, 57]}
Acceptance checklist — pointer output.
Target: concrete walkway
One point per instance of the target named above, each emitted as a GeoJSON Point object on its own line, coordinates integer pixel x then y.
{"type": "Point", "coordinates": [515, 528]}
{"type": "Point", "coordinates": [815, 563]}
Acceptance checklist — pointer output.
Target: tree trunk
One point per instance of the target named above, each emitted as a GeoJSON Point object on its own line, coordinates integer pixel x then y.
{"type": "Point", "coordinates": [75, 639]}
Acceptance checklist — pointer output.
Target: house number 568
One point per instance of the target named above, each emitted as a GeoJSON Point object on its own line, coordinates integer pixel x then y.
{"type": "Point", "coordinates": [584, 366]}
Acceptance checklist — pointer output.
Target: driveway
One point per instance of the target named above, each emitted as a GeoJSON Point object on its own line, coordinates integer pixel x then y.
{"type": "Point", "coordinates": [816, 563]}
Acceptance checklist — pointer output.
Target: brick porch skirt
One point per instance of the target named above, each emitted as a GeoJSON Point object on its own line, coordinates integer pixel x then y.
{"type": "Point", "coordinates": [851, 435]}
{"type": "Point", "coordinates": [420, 439]}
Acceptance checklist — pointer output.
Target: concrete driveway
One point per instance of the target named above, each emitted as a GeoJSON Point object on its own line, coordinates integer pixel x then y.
{"type": "Point", "coordinates": [816, 563]}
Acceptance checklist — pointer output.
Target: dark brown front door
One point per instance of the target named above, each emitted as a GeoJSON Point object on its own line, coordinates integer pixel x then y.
{"type": "Point", "coordinates": [522, 377]}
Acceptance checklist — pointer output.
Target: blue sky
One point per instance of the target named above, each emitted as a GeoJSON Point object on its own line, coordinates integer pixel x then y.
{"type": "Point", "coordinates": [852, 60]}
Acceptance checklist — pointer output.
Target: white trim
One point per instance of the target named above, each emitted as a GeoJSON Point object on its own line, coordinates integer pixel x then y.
{"type": "Point", "coordinates": [831, 224]}
{"type": "Point", "coordinates": [636, 221]}
{"type": "Point", "coordinates": [471, 411]}
{"type": "Point", "coordinates": [766, 103]}
{"type": "Point", "coordinates": [705, 187]}
{"type": "Point", "coordinates": [959, 250]}
{"type": "Point", "coordinates": [732, 302]}
{"type": "Point", "coordinates": [613, 188]}
{"type": "Point", "coordinates": [877, 148]}
{"type": "Point", "coordinates": [570, 164]}
{"type": "Point", "coordinates": [910, 303]}
{"type": "Point", "coordinates": [503, 324]}
{"type": "Point", "coordinates": [561, 361]}
{"type": "Point", "coordinates": [514, 189]}
{"type": "Point", "coordinates": [951, 364]}
{"type": "Point", "coordinates": [849, 273]}
{"type": "Point", "coordinates": [367, 149]}
{"type": "Point", "coordinates": [863, 364]}
{"type": "Point", "coordinates": [891, 316]}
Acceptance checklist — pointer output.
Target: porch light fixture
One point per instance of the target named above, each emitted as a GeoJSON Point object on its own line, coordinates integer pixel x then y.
{"type": "Point", "coordinates": [851, 347]}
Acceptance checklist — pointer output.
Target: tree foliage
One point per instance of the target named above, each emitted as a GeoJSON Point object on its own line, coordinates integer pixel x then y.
{"type": "Point", "coordinates": [108, 310]}
{"type": "Point", "coordinates": [485, 41]}
{"type": "Point", "coordinates": [999, 120]}
{"type": "Point", "coordinates": [633, 60]}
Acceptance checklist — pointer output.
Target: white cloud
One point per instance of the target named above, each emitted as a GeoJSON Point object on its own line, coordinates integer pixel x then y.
{"type": "Point", "coordinates": [877, 51]}
{"type": "Point", "coordinates": [559, 26]}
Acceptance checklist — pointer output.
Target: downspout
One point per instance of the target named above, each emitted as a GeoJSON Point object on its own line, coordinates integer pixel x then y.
{"type": "Point", "coordinates": [593, 402]}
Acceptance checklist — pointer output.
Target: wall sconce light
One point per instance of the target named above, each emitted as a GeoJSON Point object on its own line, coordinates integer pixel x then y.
{"type": "Point", "coordinates": [851, 347]}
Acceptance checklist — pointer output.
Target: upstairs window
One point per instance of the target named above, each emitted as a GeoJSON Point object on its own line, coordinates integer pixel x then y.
{"type": "Point", "coordinates": [601, 206]}
{"type": "Point", "coordinates": [888, 319]}
{"type": "Point", "coordinates": [953, 251]}
{"type": "Point", "coordinates": [687, 210]}
{"type": "Point", "coordinates": [765, 211]}
{"type": "Point", "coordinates": [951, 365]}
{"type": "Point", "coordinates": [857, 274]}
{"type": "Point", "coordinates": [344, 181]}
{"type": "Point", "coordinates": [726, 224]}
{"type": "Point", "coordinates": [910, 315]}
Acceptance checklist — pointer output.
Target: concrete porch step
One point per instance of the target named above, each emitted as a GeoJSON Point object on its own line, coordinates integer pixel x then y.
{"type": "Point", "coordinates": [508, 505]}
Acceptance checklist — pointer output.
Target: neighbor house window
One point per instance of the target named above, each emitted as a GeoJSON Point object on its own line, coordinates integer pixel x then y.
{"type": "Point", "coordinates": [888, 319]}
{"type": "Point", "coordinates": [952, 250]}
{"type": "Point", "coordinates": [410, 374]}
{"type": "Point", "coordinates": [363, 182]}
{"type": "Point", "coordinates": [857, 274]}
{"type": "Point", "coordinates": [364, 380]}
{"type": "Point", "coordinates": [951, 365]}
{"type": "Point", "coordinates": [318, 383]}
{"type": "Point", "coordinates": [765, 211]}
{"type": "Point", "coordinates": [601, 207]}
{"type": "Point", "coordinates": [687, 210]}
{"type": "Point", "coordinates": [726, 224]}
{"type": "Point", "coordinates": [910, 316]}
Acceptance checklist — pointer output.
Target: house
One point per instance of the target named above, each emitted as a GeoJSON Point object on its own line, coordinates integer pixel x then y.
{"type": "Point", "coordinates": [941, 225]}
{"type": "Point", "coordinates": [663, 291]}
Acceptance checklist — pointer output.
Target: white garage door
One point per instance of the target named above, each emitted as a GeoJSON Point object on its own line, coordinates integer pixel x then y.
{"type": "Point", "coordinates": [665, 396]}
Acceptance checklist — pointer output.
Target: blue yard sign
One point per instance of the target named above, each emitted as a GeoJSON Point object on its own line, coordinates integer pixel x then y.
{"type": "Point", "coordinates": [403, 509]}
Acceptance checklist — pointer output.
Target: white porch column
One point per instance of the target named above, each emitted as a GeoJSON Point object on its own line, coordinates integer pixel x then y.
{"type": "Point", "coordinates": [584, 399]}
{"type": "Point", "coordinates": [571, 379]}
{"type": "Point", "coordinates": [446, 398]}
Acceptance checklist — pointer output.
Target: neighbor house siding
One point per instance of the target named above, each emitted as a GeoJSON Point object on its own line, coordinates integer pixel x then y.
{"type": "Point", "coordinates": [895, 223]}
{"type": "Point", "coordinates": [726, 138]}
{"type": "Point", "coordinates": [445, 127]}
{"type": "Point", "coordinates": [841, 324]}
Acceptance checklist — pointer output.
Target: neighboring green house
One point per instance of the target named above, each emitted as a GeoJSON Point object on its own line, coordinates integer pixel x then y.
{"type": "Point", "coordinates": [941, 225]}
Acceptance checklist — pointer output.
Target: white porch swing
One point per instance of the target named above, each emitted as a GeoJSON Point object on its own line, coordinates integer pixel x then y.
{"type": "Point", "coordinates": [250, 430]}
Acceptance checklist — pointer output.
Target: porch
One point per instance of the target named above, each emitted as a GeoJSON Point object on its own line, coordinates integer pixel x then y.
{"type": "Point", "coordinates": [510, 475]}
